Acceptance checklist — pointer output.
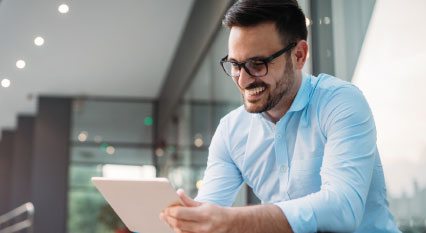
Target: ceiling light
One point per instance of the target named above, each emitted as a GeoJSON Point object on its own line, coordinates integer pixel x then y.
{"type": "Point", "coordinates": [39, 41]}
{"type": "Point", "coordinates": [63, 8]}
{"type": "Point", "coordinates": [20, 64]}
{"type": "Point", "coordinates": [5, 83]}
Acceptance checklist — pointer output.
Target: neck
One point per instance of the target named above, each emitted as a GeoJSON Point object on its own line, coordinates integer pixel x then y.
{"type": "Point", "coordinates": [277, 112]}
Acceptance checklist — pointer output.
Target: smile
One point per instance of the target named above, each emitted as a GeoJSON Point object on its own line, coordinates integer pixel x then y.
{"type": "Point", "coordinates": [255, 91]}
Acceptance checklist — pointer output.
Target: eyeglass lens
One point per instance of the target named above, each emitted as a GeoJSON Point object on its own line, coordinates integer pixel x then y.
{"type": "Point", "coordinates": [253, 68]}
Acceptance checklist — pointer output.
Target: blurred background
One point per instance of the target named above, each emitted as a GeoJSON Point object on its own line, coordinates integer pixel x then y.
{"type": "Point", "coordinates": [134, 89]}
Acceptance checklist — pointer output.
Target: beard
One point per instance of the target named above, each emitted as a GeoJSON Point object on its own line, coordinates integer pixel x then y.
{"type": "Point", "coordinates": [273, 97]}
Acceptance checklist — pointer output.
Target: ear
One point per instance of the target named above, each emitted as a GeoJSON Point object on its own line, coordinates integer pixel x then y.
{"type": "Point", "coordinates": [300, 54]}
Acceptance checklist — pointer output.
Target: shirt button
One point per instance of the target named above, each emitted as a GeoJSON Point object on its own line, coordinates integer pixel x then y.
{"type": "Point", "coordinates": [279, 136]}
{"type": "Point", "coordinates": [284, 169]}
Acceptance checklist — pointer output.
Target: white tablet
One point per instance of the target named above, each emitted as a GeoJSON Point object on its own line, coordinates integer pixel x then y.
{"type": "Point", "coordinates": [139, 202]}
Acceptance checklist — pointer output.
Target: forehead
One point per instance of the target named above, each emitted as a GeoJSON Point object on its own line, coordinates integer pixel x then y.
{"type": "Point", "coordinates": [260, 40]}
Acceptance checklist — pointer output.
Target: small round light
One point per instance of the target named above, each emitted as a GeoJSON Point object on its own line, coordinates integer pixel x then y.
{"type": "Point", "coordinates": [198, 142]}
{"type": "Point", "coordinates": [5, 83]}
{"type": "Point", "coordinates": [82, 137]}
{"type": "Point", "coordinates": [39, 41]}
{"type": "Point", "coordinates": [148, 121]}
{"type": "Point", "coordinates": [159, 152]}
{"type": "Point", "coordinates": [110, 150]}
{"type": "Point", "coordinates": [63, 8]}
{"type": "Point", "coordinates": [327, 20]}
{"type": "Point", "coordinates": [98, 139]}
{"type": "Point", "coordinates": [104, 146]}
{"type": "Point", "coordinates": [21, 64]}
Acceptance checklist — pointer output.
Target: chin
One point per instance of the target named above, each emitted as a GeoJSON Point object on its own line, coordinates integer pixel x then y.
{"type": "Point", "coordinates": [254, 107]}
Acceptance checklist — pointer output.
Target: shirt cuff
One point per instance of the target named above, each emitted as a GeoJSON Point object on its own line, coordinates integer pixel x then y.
{"type": "Point", "coordinates": [299, 214]}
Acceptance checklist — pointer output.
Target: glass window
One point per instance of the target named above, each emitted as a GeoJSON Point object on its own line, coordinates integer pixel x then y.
{"type": "Point", "coordinates": [366, 51]}
{"type": "Point", "coordinates": [112, 121]}
{"type": "Point", "coordinates": [111, 139]}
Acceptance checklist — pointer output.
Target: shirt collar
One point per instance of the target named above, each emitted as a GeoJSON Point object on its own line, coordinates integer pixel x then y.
{"type": "Point", "coordinates": [303, 95]}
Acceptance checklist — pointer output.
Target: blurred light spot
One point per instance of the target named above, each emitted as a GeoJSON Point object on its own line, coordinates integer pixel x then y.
{"type": "Point", "coordinates": [110, 150]}
{"type": "Point", "coordinates": [198, 142]}
{"type": "Point", "coordinates": [159, 152]}
{"type": "Point", "coordinates": [308, 22]}
{"type": "Point", "coordinates": [148, 121]}
{"type": "Point", "coordinates": [64, 8]}
{"type": "Point", "coordinates": [199, 183]}
{"type": "Point", "coordinates": [20, 64]}
{"type": "Point", "coordinates": [82, 137]}
{"type": "Point", "coordinates": [98, 139]}
{"type": "Point", "coordinates": [39, 41]}
{"type": "Point", "coordinates": [104, 146]}
{"type": "Point", "coordinates": [327, 20]}
{"type": "Point", "coordinates": [171, 149]}
{"type": "Point", "coordinates": [5, 83]}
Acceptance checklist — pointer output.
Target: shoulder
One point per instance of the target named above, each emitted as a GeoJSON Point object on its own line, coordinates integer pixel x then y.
{"type": "Point", "coordinates": [326, 86]}
{"type": "Point", "coordinates": [330, 92]}
{"type": "Point", "coordinates": [337, 99]}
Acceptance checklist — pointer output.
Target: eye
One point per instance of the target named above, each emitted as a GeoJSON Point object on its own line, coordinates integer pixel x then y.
{"type": "Point", "coordinates": [256, 65]}
{"type": "Point", "coordinates": [234, 65]}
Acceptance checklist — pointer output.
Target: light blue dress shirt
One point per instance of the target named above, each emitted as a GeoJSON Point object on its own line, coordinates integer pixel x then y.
{"type": "Point", "coordinates": [319, 163]}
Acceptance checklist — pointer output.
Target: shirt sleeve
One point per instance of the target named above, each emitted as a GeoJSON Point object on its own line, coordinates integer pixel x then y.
{"type": "Point", "coordinates": [346, 172]}
{"type": "Point", "coordinates": [222, 178]}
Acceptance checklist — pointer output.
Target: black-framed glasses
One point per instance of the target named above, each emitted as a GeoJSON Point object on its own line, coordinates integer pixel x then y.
{"type": "Point", "coordinates": [254, 67]}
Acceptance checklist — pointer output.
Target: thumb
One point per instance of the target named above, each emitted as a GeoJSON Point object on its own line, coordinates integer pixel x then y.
{"type": "Point", "coordinates": [187, 201]}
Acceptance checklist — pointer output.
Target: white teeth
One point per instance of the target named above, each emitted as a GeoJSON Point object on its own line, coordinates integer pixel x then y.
{"type": "Point", "coordinates": [255, 91]}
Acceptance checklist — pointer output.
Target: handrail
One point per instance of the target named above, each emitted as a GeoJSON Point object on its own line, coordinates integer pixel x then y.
{"type": "Point", "coordinates": [25, 224]}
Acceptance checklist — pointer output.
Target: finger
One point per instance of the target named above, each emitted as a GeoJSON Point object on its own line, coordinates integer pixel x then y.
{"type": "Point", "coordinates": [182, 225]}
{"type": "Point", "coordinates": [163, 217]}
{"type": "Point", "coordinates": [183, 213]}
{"type": "Point", "coordinates": [187, 201]}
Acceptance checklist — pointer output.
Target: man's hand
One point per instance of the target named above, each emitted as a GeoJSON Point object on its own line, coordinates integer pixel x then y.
{"type": "Point", "coordinates": [196, 217]}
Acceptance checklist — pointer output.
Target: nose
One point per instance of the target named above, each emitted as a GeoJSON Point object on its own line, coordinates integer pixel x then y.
{"type": "Point", "coordinates": [244, 80]}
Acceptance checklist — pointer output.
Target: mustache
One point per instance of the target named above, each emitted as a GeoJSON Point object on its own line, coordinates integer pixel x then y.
{"type": "Point", "coordinates": [256, 84]}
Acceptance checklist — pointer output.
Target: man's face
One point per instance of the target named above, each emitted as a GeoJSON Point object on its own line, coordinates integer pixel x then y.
{"type": "Point", "coordinates": [260, 41]}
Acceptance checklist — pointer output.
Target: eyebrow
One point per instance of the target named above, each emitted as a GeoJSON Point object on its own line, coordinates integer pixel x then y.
{"type": "Point", "coordinates": [257, 58]}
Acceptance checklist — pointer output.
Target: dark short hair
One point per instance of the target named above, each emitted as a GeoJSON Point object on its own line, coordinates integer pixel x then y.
{"type": "Point", "coordinates": [286, 14]}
